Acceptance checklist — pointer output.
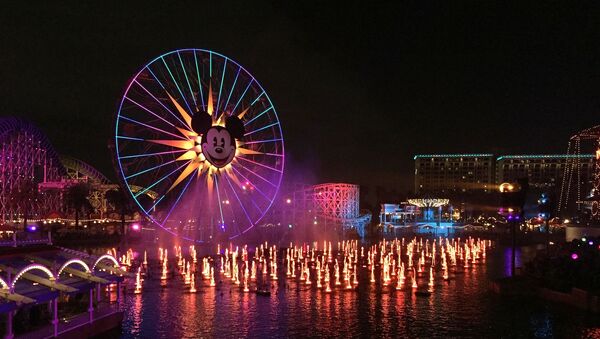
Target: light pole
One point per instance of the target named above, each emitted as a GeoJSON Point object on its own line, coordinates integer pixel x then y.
{"type": "Point", "coordinates": [511, 206]}
{"type": "Point", "coordinates": [546, 207]}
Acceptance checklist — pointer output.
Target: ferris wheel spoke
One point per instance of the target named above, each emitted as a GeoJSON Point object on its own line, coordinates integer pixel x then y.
{"type": "Point", "coordinates": [177, 201]}
{"type": "Point", "coordinates": [150, 154]}
{"type": "Point", "coordinates": [160, 102]}
{"type": "Point", "coordinates": [151, 127]}
{"type": "Point", "coordinates": [221, 86]}
{"type": "Point", "coordinates": [186, 117]}
{"type": "Point", "coordinates": [176, 84]}
{"type": "Point", "coordinates": [151, 112]}
{"type": "Point", "coordinates": [230, 207]}
{"type": "Point", "coordinates": [255, 174]}
{"type": "Point", "coordinates": [156, 202]}
{"type": "Point", "coordinates": [242, 205]}
{"type": "Point", "coordinates": [188, 81]}
{"type": "Point", "coordinates": [261, 141]}
{"type": "Point", "coordinates": [159, 153]}
{"type": "Point", "coordinates": [238, 199]}
{"type": "Point", "coordinates": [251, 183]}
{"type": "Point", "coordinates": [260, 210]}
{"type": "Point", "coordinates": [259, 164]}
{"type": "Point", "coordinates": [150, 169]}
{"type": "Point", "coordinates": [129, 138]}
{"type": "Point", "coordinates": [232, 88]}
{"type": "Point", "coordinates": [258, 116]}
{"type": "Point", "coordinates": [160, 180]}
{"type": "Point", "coordinates": [185, 145]}
{"type": "Point", "coordinates": [210, 64]}
{"type": "Point", "coordinates": [258, 97]}
{"type": "Point", "coordinates": [191, 167]}
{"type": "Point", "coordinates": [216, 180]}
{"type": "Point", "coordinates": [242, 96]}
{"type": "Point", "coordinates": [199, 81]}
{"type": "Point", "coordinates": [248, 151]}
{"type": "Point", "coordinates": [260, 129]}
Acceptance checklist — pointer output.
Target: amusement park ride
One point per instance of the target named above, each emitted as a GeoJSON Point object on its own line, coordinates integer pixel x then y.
{"type": "Point", "coordinates": [198, 147]}
{"type": "Point", "coordinates": [328, 205]}
{"type": "Point", "coordinates": [199, 130]}
{"type": "Point", "coordinates": [34, 179]}
{"type": "Point", "coordinates": [575, 185]}
{"type": "Point", "coordinates": [26, 160]}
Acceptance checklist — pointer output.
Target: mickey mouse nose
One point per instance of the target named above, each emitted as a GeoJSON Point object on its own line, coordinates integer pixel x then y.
{"type": "Point", "coordinates": [219, 150]}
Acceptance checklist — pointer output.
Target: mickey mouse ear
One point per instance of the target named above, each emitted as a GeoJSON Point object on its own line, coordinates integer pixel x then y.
{"type": "Point", "coordinates": [235, 126]}
{"type": "Point", "coordinates": [201, 122]}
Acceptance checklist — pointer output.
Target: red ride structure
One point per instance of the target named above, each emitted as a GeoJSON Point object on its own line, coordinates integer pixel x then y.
{"type": "Point", "coordinates": [330, 205]}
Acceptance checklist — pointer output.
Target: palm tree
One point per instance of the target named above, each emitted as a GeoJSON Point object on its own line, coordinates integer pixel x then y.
{"type": "Point", "coordinates": [77, 199]}
{"type": "Point", "coordinates": [22, 198]}
{"type": "Point", "coordinates": [120, 202]}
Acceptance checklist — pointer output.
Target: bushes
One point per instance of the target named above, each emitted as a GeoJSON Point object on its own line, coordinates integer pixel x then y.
{"type": "Point", "coordinates": [575, 264]}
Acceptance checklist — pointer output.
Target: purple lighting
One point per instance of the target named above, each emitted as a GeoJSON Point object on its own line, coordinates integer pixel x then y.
{"type": "Point", "coordinates": [574, 256]}
{"type": "Point", "coordinates": [135, 227]}
{"type": "Point", "coordinates": [155, 115]}
{"type": "Point", "coordinates": [24, 149]}
{"type": "Point", "coordinates": [31, 228]}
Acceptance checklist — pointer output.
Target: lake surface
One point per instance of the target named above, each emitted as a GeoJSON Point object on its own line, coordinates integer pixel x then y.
{"type": "Point", "coordinates": [461, 307]}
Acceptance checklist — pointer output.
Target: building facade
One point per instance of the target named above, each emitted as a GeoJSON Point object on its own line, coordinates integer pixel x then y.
{"type": "Point", "coordinates": [462, 173]}
{"type": "Point", "coordinates": [454, 172]}
{"type": "Point", "coordinates": [543, 170]}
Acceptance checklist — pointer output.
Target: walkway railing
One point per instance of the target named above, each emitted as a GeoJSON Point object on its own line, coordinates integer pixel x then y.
{"type": "Point", "coordinates": [75, 324]}
{"type": "Point", "coordinates": [15, 243]}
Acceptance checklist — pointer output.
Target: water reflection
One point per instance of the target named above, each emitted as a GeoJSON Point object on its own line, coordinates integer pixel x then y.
{"type": "Point", "coordinates": [136, 316]}
{"type": "Point", "coordinates": [459, 307]}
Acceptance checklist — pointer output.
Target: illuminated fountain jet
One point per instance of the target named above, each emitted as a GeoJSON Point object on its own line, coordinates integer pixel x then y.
{"type": "Point", "coordinates": [138, 282]}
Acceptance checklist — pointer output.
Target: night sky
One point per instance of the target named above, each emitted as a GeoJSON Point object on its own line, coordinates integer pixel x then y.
{"type": "Point", "coordinates": [359, 88]}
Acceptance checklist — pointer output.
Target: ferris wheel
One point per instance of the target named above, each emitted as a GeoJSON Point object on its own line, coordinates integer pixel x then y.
{"type": "Point", "coordinates": [198, 131]}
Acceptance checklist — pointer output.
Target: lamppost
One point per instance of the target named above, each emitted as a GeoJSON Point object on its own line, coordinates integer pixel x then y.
{"type": "Point", "coordinates": [511, 206]}
{"type": "Point", "coordinates": [546, 207]}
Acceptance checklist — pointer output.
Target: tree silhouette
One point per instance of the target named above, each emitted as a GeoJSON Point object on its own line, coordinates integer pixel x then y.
{"type": "Point", "coordinates": [77, 199]}
{"type": "Point", "coordinates": [120, 202]}
{"type": "Point", "coordinates": [22, 198]}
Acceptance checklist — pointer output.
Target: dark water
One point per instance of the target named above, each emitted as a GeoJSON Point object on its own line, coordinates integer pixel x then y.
{"type": "Point", "coordinates": [462, 307]}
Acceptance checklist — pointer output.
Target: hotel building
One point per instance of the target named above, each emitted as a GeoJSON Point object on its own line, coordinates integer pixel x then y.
{"type": "Point", "coordinates": [448, 173]}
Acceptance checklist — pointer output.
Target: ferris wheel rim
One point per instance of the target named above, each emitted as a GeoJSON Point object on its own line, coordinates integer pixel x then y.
{"type": "Point", "coordinates": [277, 124]}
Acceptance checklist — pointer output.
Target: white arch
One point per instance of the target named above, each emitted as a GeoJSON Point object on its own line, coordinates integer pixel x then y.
{"type": "Point", "coordinates": [106, 256]}
{"type": "Point", "coordinates": [32, 267]}
{"type": "Point", "coordinates": [74, 261]}
{"type": "Point", "coordinates": [4, 284]}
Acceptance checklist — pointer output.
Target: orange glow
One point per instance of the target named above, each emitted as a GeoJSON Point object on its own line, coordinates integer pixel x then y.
{"type": "Point", "coordinates": [183, 144]}
{"type": "Point", "coordinates": [506, 187]}
{"type": "Point", "coordinates": [189, 155]}
{"type": "Point", "coordinates": [241, 115]}
{"type": "Point", "coordinates": [186, 117]}
{"type": "Point", "coordinates": [187, 133]}
{"type": "Point", "coordinates": [210, 107]}
{"type": "Point", "coordinates": [191, 167]}
{"type": "Point", "coordinates": [248, 151]}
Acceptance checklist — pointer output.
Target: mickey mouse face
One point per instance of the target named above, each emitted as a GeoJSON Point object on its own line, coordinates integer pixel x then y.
{"type": "Point", "coordinates": [218, 143]}
{"type": "Point", "coordinates": [218, 146]}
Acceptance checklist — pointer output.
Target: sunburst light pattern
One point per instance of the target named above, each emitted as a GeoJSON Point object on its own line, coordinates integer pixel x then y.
{"type": "Point", "coordinates": [160, 149]}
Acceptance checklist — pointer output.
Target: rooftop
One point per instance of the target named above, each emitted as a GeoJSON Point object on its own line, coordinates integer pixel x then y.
{"type": "Point", "coordinates": [465, 155]}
